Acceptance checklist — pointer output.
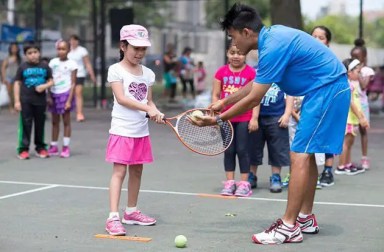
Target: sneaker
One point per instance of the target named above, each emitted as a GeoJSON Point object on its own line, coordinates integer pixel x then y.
{"type": "Point", "coordinates": [308, 225]}
{"type": "Point", "coordinates": [23, 155]}
{"type": "Point", "coordinates": [318, 184]}
{"type": "Point", "coordinates": [229, 188]}
{"type": "Point", "coordinates": [326, 179]}
{"type": "Point", "coordinates": [43, 153]}
{"type": "Point", "coordinates": [114, 227]}
{"type": "Point", "coordinates": [252, 179]}
{"type": "Point", "coordinates": [356, 169]}
{"type": "Point", "coordinates": [275, 183]}
{"type": "Point", "coordinates": [53, 150]}
{"type": "Point", "coordinates": [285, 181]}
{"type": "Point", "coordinates": [65, 152]}
{"type": "Point", "coordinates": [137, 218]}
{"type": "Point", "coordinates": [342, 171]}
{"type": "Point", "coordinates": [243, 189]}
{"type": "Point", "coordinates": [279, 233]}
{"type": "Point", "coordinates": [365, 163]}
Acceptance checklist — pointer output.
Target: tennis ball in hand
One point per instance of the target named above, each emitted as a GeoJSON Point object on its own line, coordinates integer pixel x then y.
{"type": "Point", "coordinates": [197, 114]}
{"type": "Point", "coordinates": [181, 240]}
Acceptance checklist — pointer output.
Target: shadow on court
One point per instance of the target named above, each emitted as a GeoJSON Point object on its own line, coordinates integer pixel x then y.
{"type": "Point", "coordinates": [60, 204]}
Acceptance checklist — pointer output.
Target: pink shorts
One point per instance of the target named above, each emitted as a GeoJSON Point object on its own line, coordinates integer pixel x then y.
{"type": "Point", "coordinates": [352, 129]}
{"type": "Point", "coordinates": [129, 150]}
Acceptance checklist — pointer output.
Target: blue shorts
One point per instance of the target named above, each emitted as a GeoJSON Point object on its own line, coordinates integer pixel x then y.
{"type": "Point", "coordinates": [323, 119]}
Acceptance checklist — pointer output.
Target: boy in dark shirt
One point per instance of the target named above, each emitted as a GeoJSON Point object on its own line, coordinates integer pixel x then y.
{"type": "Point", "coordinates": [32, 80]}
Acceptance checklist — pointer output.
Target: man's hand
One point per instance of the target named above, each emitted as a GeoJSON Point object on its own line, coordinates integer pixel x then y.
{"type": "Point", "coordinates": [202, 121]}
{"type": "Point", "coordinates": [216, 106]}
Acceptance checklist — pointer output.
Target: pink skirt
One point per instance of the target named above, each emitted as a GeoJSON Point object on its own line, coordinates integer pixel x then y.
{"type": "Point", "coordinates": [129, 150]}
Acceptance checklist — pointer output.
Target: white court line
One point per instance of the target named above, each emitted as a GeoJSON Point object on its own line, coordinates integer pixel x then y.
{"type": "Point", "coordinates": [29, 191]}
{"type": "Point", "coordinates": [47, 186]}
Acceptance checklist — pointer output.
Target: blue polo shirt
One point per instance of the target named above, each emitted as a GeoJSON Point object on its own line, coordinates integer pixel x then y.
{"type": "Point", "coordinates": [295, 61]}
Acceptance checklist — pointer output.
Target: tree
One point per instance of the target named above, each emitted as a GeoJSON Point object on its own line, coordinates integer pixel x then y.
{"type": "Point", "coordinates": [215, 10]}
{"type": "Point", "coordinates": [286, 12]}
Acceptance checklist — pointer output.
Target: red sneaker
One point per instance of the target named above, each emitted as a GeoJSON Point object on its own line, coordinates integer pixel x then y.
{"type": "Point", "coordinates": [23, 155]}
{"type": "Point", "coordinates": [308, 225]}
{"type": "Point", "coordinates": [43, 153]}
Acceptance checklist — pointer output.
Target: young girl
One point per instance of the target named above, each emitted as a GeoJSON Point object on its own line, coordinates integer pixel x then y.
{"type": "Point", "coordinates": [356, 117]}
{"type": "Point", "coordinates": [60, 100]}
{"type": "Point", "coordinates": [129, 143]}
{"type": "Point", "coordinates": [9, 68]}
{"type": "Point", "coordinates": [228, 79]}
{"type": "Point", "coordinates": [366, 75]}
{"type": "Point", "coordinates": [201, 75]}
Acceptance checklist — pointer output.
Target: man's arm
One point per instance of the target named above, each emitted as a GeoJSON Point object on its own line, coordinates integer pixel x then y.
{"type": "Point", "coordinates": [246, 100]}
{"type": "Point", "coordinates": [237, 96]}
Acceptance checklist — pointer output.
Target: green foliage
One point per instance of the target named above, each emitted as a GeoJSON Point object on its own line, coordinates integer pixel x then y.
{"type": "Point", "coordinates": [344, 28]}
{"type": "Point", "coordinates": [215, 9]}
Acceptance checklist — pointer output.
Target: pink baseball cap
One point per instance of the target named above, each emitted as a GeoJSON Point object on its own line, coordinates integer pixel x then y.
{"type": "Point", "coordinates": [136, 35]}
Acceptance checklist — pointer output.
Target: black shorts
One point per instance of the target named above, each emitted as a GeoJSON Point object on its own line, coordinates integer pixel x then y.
{"type": "Point", "coordinates": [277, 140]}
{"type": "Point", "coordinates": [80, 81]}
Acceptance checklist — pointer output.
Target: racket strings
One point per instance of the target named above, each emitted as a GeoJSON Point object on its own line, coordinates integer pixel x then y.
{"type": "Point", "coordinates": [209, 140]}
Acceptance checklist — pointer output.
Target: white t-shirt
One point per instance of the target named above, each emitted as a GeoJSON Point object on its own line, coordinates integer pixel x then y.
{"type": "Point", "coordinates": [62, 72]}
{"type": "Point", "coordinates": [77, 55]}
{"type": "Point", "coordinates": [125, 121]}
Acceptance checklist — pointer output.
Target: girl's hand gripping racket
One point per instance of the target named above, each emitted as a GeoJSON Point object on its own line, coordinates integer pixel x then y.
{"type": "Point", "coordinates": [208, 140]}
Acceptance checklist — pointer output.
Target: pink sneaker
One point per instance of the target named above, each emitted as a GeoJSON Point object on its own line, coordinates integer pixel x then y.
{"type": "Point", "coordinates": [114, 227]}
{"type": "Point", "coordinates": [65, 153]}
{"type": "Point", "coordinates": [137, 218]}
{"type": "Point", "coordinates": [53, 150]}
{"type": "Point", "coordinates": [365, 163]}
{"type": "Point", "coordinates": [243, 189]}
{"type": "Point", "coordinates": [229, 188]}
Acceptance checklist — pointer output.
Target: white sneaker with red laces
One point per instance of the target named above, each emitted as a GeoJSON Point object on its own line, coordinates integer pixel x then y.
{"type": "Point", "coordinates": [279, 233]}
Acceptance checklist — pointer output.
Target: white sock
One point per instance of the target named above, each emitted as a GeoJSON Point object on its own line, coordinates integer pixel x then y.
{"type": "Point", "coordinates": [303, 216]}
{"type": "Point", "coordinates": [113, 214]}
{"type": "Point", "coordinates": [54, 143]}
{"type": "Point", "coordinates": [288, 225]}
{"type": "Point", "coordinates": [66, 141]}
{"type": "Point", "coordinates": [130, 210]}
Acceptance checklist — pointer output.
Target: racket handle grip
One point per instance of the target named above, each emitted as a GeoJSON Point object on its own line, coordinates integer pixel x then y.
{"type": "Point", "coordinates": [146, 115]}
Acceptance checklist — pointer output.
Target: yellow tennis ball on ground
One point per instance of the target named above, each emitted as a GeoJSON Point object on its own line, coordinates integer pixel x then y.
{"type": "Point", "coordinates": [181, 240]}
{"type": "Point", "coordinates": [197, 114]}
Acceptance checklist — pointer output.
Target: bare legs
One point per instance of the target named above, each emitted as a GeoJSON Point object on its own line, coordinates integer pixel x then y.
{"type": "Point", "coordinates": [79, 103]}
{"type": "Point", "coordinates": [134, 181]}
{"type": "Point", "coordinates": [302, 186]}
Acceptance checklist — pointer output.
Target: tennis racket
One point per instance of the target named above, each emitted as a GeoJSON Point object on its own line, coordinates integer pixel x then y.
{"type": "Point", "coordinates": [208, 140]}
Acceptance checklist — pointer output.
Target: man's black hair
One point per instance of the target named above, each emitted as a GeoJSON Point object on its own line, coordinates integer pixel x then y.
{"type": "Point", "coordinates": [241, 16]}
{"type": "Point", "coordinates": [30, 45]}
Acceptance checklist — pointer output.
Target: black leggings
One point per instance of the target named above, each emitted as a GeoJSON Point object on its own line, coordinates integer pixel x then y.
{"type": "Point", "coordinates": [191, 85]}
{"type": "Point", "coordinates": [239, 146]}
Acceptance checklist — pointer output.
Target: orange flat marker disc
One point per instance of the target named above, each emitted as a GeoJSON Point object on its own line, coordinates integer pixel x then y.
{"type": "Point", "coordinates": [216, 196]}
{"type": "Point", "coordinates": [126, 238]}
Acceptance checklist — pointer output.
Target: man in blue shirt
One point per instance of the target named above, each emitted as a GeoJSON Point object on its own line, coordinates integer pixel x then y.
{"type": "Point", "coordinates": [299, 65]}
